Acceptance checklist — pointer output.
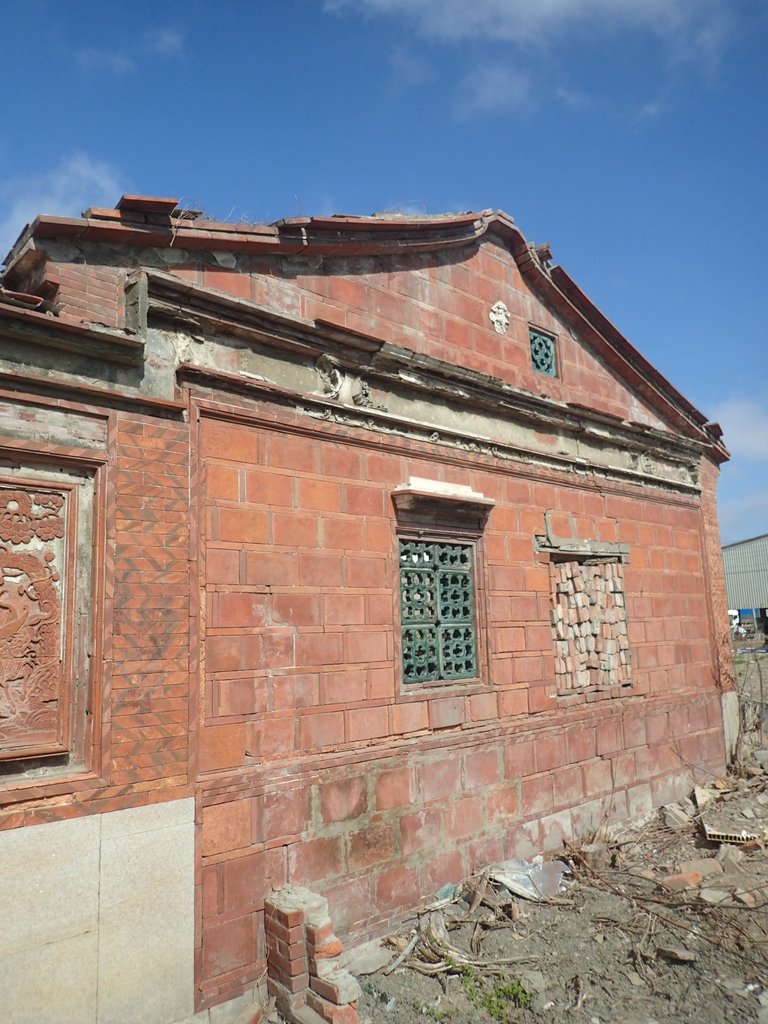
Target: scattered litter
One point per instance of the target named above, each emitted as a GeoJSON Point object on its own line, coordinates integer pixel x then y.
{"type": "Point", "coordinates": [366, 959]}
{"type": "Point", "coordinates": [730, 857]}
{"type": "Point", "coordinates": [600, 933]}
{"type": "Point", "coordinates": [737, 838]}
{"type": "Point", "coordinates": [674, 817]}
{"type": "Point", "coordinates": [679, 954]}
{"type": "Point", "coordinates": [703, 796]}
{"type": "Point", "coordinates": [713, 896]}
{"type": "Point", "coordinates": [447, 892]}
{"type": "Point", "coordinates": [531, 881]}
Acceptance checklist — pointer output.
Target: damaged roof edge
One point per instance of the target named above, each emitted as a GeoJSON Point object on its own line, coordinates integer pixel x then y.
{"type": "Point", "coordinates": [159, 221]}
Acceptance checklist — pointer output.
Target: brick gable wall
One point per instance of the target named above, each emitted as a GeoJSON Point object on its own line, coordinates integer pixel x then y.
{"type": "Point", "coordinates": [438, 307]}
{"type": "Point", "coordinates": [249, 624]}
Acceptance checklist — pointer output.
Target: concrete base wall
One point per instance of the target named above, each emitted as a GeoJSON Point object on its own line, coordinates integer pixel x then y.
{"type": "Point", "coordinates": [98, 918]}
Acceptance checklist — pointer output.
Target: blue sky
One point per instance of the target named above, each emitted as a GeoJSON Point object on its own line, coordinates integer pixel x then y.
{"type": "Point", "coordinates": [629, 133]}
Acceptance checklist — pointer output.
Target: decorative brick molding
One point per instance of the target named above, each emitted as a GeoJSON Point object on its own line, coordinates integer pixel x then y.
{"type": "Point", "coordinates": [305, 976]}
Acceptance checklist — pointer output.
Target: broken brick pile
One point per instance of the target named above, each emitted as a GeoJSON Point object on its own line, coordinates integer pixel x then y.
{"type": "Point", "coordinates": [304, 974]}
{"type": "Point", "coordinates": [589, 623]}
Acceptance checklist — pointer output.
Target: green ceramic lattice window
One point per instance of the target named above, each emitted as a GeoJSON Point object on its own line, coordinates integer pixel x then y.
{"type": "Point", "coordinates": [438, 611]}
{"type": "Point", "coordinates": [543, 352]}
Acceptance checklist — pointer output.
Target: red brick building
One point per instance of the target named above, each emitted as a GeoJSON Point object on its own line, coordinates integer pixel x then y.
{"type": "Point", "coordinates": [350, 552]}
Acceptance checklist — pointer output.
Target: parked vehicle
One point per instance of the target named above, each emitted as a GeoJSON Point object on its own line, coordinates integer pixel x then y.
{"type": "Point", "coordinates": [737, 630]}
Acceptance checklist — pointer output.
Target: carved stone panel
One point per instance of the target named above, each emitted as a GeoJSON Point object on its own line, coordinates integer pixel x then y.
{"type": "Point", "coordinates": [36, 552]}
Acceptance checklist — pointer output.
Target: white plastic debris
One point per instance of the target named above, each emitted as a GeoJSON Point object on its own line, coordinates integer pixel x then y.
{"type": "Point", "coordinates": [531, 881]}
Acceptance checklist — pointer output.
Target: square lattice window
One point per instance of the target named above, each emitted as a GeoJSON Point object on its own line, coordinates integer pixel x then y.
{"type": "Point", "coordinates": [589, 623]}
{"type": "Point", "coordinates": [543, 352]}
{"type": "Point", "coordinates": [437, 590]}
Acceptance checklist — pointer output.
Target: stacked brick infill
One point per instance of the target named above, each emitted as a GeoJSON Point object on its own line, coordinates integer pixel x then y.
{"type": "Point", "coordinates": [589, 624]}
{"type": "Point", "coordinates": [305, 977]}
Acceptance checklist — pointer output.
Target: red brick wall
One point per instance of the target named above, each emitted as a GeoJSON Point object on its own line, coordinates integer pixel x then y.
{"type": "Point", "coordinates": [320, 769]}
{"type": "Point", "coordinates": [88, 292]}
{"type": "Point", "coordinates": [378, 833]}
{"type": "Point", "coordinates": [141, 619]}
{"type": "Point", "coordinates": [313, 765]}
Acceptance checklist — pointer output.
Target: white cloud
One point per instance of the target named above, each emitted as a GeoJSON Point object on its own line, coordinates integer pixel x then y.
{"type": "Point", "coordinates": [91, 59]}
{"type": "Point", "coordinates": [66, 190]}
{"type": "Point", "coordinates": [165, 40]}
{"type": "Point", "coordinates": [409, 68]}
{"type": "Point", "coordinates": [745, 427]}
{"type": "Point", "coordinates": [574, 99]}
{"type": "Point", "coordinates": [649, 111]}
{"type": "Point", "coordinates": [493, 87]}
{"type": "Point", "coordinates": [695, 25]}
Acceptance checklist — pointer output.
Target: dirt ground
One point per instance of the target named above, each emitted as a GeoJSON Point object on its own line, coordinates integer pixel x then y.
{"type": "Point", "coordinates": [750, 661]}
{"type": "Point", "coordinates": [622, 945]}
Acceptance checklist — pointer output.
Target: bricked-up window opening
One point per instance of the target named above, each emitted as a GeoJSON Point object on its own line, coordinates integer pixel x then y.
{"type": "Point", "coordinates": [589, 623]}
{"type": "Point", "coordinates": [543, 352]}
{"type": "Point", "coordinates": [437, 590]}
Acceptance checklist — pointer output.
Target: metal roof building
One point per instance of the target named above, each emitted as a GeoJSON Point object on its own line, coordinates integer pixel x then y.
{"type": "Point", "coordinates": [746, 572]}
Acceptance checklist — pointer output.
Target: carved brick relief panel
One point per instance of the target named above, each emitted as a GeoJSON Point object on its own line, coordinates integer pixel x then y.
{"type": "Point", "coordinates": [45, 569]}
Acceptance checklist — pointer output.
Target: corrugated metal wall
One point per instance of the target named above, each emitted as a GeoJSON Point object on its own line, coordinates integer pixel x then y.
{"type": "Point", "coordinates": [746, 573]}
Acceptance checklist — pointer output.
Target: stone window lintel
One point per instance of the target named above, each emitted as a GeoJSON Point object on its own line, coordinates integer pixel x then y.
{"type": "Point", "coordinates": [582, 548]}
{"type": "Point", "coordinates": [434, 499]}
{"type": "Point", "coordinates": [550, 543]}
